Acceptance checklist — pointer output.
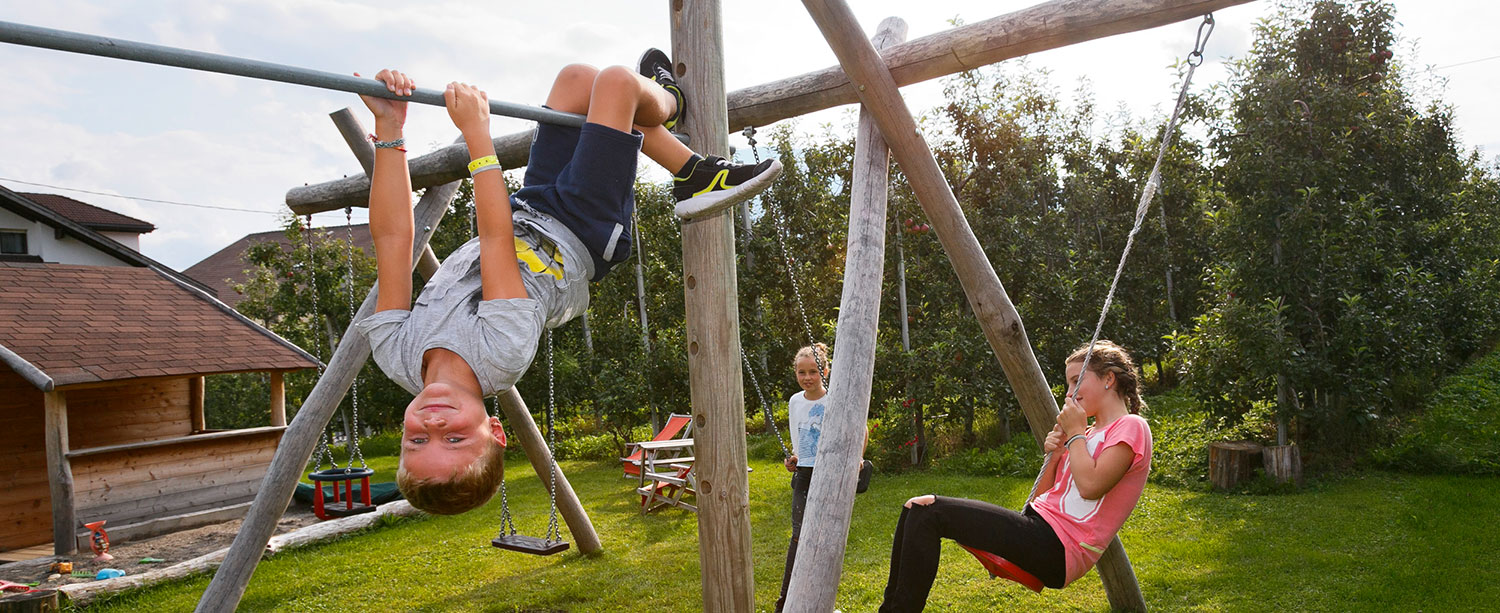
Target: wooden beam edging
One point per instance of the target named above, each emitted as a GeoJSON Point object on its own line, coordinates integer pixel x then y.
{"type": "Point", "coordinates": [711, 312]}
{"type": "Point", "coordinates": [1049, 25]}
{"type": "Point", "coordinates": [992, 307]}
{"type": "Point", "coordinates": [830, 499]}
{"type": "Point", "coordinates": [81, 594]}
{"type": "Point", "coordinates": [228, 585]}
{"type": "Point", "coordinates": [572, 511]}
{"type": "Point", "coordinates": [27, 370]}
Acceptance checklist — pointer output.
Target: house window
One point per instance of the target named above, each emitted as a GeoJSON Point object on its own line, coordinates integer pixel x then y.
{"type": "Point", "coordinates": [13, 242]}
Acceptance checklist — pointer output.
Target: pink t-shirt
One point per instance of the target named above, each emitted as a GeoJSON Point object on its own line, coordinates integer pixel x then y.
{"type": "Point", "coordinates": [1084, 526]}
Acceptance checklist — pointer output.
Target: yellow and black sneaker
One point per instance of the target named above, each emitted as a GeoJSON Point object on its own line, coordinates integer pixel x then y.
{"type": "Point", "coordinates": [655, 65]}
{"type": "Point", "coordinates": [707, 186]}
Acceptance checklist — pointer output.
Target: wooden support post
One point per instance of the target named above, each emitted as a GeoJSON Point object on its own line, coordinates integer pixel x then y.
{"type": "Point", "coordinates": [196, 387]}
{"type": "Point", "coordinates": [278, 398]}
{"type": "Point", "coordinates": [992, 307]}
{"type": "Point", "coordinates": [228, 585]}
{"type": "Point", "coordinates": [523, 427]}
{"type": "Point", "coordinates": [1048, 25]}
{"type": "Point", "coordinates": [59, 472]}
{"type": "Point", "coordinates": [711, 287]}
{"type": "Point", "coordinates": [820, 554]}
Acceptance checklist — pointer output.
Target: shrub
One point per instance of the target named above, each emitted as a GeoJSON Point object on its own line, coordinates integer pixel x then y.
{"type": "Point", "coordinates": [1460, 430]}
{"type": "Point", "coordinates": [1018, 458]}
{"type": "Point", "coordinates": [1181, 430]}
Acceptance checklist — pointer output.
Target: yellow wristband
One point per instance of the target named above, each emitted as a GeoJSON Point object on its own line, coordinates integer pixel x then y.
{"type": "Point", "coordinates": [488, 160]}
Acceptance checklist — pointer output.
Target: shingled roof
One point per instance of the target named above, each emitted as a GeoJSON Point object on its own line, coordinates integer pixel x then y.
{"type": "Point", "coordinates": [224, 269]}
{"type": "Point", "coordinates": [90, 216]}
{"type": "Point", "coordinates": [84, 324]}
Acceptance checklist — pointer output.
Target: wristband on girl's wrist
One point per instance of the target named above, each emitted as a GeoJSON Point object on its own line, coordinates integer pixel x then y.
{"type": "Point", "coordinates": [1073, 438]}
{"type": "Point", "coordinates": [488, 162]}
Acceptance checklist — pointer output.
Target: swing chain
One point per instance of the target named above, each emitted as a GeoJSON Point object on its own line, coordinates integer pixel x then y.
{"type": "Point", "coordinates": [507, 525]}
{"type": "Point", "coordinates": [1148, 193]}
{"type": "Point", "coordinates": [353, 444]}
{"type": "Point", "coordinates": [322, 450]}
{"type": "Point", "coordinates": [554, 533]}
{"type": "Point", "coordinates": [782, 233]}
{"type": "Point", "coordinates": [770, 417]}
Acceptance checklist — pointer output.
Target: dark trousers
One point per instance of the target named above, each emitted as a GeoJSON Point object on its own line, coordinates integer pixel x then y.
{"type": "Point", "coordinates": [1025, 539]}
{"type": "Point", "coordinates": [801, 480]}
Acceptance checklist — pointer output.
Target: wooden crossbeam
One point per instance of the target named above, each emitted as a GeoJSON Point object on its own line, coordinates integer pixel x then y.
{"type": "Point", "coordinates": [1049, 25]}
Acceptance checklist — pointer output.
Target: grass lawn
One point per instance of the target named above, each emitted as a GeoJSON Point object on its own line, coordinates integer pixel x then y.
{"type": "Point", "coordinates": [1376, 541]}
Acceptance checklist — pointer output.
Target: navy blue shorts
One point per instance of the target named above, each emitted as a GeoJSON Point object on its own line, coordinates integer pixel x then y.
{"type": "Point", "coordinates": [585, 178]}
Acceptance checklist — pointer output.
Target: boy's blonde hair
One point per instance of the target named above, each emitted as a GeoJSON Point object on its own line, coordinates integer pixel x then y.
{"type": "Point", "coordinates": [467, 490]}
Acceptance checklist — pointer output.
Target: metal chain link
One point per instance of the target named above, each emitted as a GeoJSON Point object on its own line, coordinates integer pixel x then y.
{"type": "Point", "coordinates": [322, 450]}
{"type": "Point", "coordinates": [782, 233]}
{"type": "Point", "coordinates": [770, 417]}
{"type": "Point", "coordinates": [507, 525]}
{"type": "Point", "coordinates": [1148, 193]}
{"type": "Point", "coordinates": [353, 444]}
{"type": "Point", "coordinates": [554, 533]}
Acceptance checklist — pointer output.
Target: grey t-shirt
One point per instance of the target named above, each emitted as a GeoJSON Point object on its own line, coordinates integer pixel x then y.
{"type": "Point", "coordinates": [497, 338]}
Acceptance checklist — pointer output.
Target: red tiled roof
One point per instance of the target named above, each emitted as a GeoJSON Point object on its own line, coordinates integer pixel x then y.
{"type": "Point", "coordinates": [90, 216]}
{"type": "Point", "coordinates": [81, 324]}
{"type": "Point", "coordinates": [226, 267]}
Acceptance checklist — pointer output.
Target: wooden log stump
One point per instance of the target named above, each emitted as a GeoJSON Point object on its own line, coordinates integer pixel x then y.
{"type": "Point", "coordinates": [1283, 463]}
{"type": "Point", "coordinates": [39, 601]}
{"type": "Point", "coordinates": [1230, 462]}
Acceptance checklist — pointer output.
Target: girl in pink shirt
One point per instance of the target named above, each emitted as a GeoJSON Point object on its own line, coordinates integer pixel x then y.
{"type": "Point", "coordinates": [1088, 490]}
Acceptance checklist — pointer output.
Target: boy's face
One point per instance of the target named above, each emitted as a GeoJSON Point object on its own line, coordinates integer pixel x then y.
{"type": "Point", "coordinates": [444, 431]}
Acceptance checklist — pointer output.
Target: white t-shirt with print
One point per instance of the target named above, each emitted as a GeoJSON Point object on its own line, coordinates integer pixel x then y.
{"type": "Point", "coordinates": [805, 420]}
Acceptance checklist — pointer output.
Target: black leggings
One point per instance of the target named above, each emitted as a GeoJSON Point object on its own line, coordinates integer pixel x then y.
{"type": "Point", "coordinates": [1026, 540]}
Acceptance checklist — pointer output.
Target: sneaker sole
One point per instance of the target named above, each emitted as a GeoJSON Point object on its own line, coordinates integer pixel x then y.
{"type": "Point", "coordinates": [713, 202]}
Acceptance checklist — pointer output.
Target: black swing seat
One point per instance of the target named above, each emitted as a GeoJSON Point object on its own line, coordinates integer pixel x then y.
{"type": "Point", "coordinates": [529, 544]}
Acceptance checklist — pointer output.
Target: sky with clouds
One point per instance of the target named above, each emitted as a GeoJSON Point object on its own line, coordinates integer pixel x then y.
{"type": "Point", "coordinates": [170, 134]}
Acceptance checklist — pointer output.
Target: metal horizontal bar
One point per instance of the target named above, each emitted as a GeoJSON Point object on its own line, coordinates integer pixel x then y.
{"type": "Point", "coordinates": [89, 44]}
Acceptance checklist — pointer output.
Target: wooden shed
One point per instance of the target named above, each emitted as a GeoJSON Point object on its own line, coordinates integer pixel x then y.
{"type": "Point", "coordinates": [101, 400]}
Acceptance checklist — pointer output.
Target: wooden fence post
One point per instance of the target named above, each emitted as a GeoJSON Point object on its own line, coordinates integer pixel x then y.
{"type": "Point", "coordinates": [820, 554]}
{"type": "Point", "coordinates": [992, 307]}
{"type": "Point", "coordinates": [711, 288]}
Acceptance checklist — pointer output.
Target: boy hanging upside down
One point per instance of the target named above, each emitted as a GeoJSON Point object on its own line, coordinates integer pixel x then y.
{"type": "Point", "coordinates": [474, 329]}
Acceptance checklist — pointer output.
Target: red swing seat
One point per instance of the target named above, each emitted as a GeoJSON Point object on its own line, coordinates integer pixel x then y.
{"type": "Point", "coordinates": [1003, 569]}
